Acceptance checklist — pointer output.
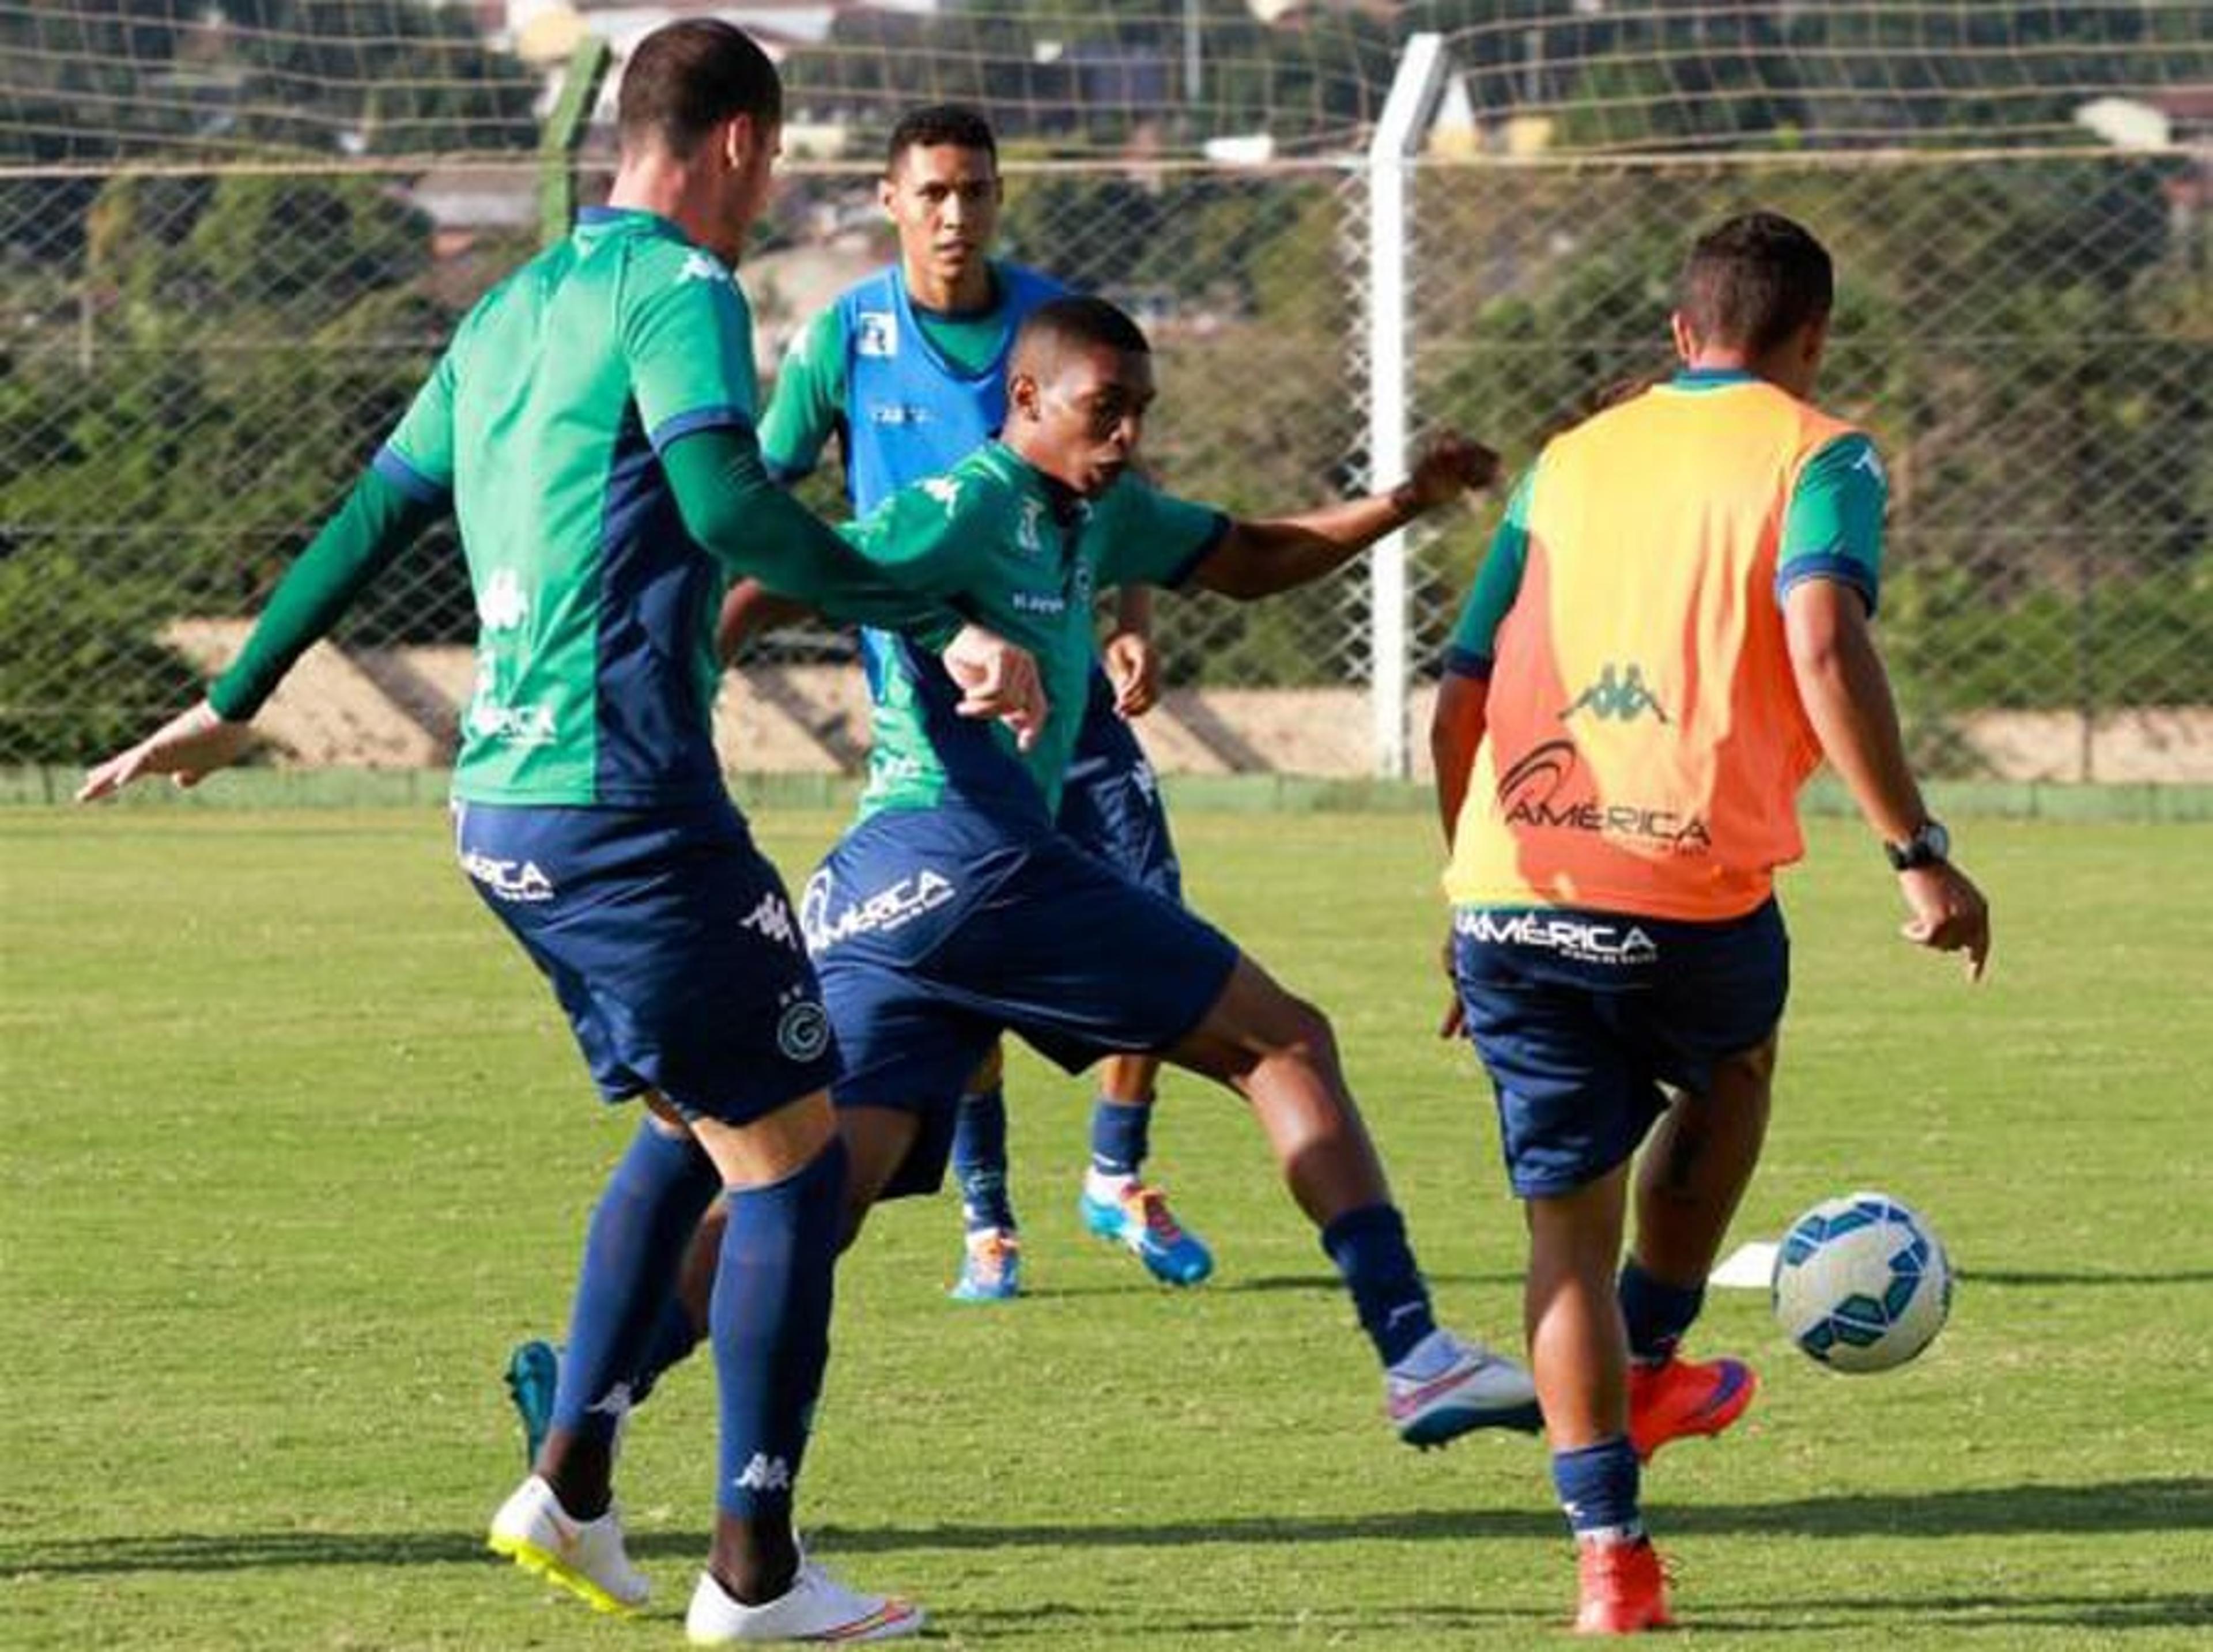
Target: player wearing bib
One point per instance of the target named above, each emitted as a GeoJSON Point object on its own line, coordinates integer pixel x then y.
{"type": "Point", "coordinates": [953, 909]}
{"type": "Point", "coordinates": [1668, 634]}
{"type": "Point", "coordinates": [590, 428]}
{"type": "Point", "coordinates": [907, 369]}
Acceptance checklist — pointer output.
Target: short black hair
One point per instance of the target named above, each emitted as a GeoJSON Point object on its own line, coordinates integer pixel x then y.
{"type": "Point", "coordinates": [1752, 282]}
{"type": "Point", "coordinates": [684, 79]}
{"type": "Point", "coordinates": [936, 125]}
{"type": "Point", "coordinates": [1078, 323]}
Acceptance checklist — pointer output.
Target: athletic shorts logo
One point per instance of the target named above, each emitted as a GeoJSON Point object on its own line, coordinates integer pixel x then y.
{"type": "Point", "coordinates": [876, 334]}
{"type": "Point", "coordinates": [802, 1031]}
{"type": "Point", "coordinates": [512, 881]}
{"type": "Point", "coordinates": [1585, 940]}
{"type": "Point", "coordinates": [896, 904]}
{"type": "Point", "coordinates": [1530, 798]}
{"type": "Point", "coordinates": [771, 921]}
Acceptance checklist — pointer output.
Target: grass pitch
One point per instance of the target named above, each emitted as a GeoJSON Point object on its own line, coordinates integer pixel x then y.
{"type": "Point", "coordinates": [297, 1146]}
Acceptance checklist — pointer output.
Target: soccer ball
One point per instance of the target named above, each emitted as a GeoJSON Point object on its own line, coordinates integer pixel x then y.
{"type": "Point", "coordinates": [1861, 1284]}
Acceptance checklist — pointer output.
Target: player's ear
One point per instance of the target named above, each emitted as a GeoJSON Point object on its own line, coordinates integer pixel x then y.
{"type": "Point", "coordinates": [1022, 395]}
{"type": "Point", "coordinates": [887, 194]}
{"type": "Point", "coordinates": [1687, 347]}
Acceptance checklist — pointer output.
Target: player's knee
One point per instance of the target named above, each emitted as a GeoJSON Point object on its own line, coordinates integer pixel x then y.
{"type": "Point", "coordinates": [1302, 1032]}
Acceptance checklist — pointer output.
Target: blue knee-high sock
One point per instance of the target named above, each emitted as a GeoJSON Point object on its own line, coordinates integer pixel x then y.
{"type": "Point", "coordinates": [1121, 1136]}
{"type": "Point", "coordinates": [675, 1334]}
{"type": "Point", "coordinates": [770, 1325]}
{"type": "Point", "coordinates": [1657, 1313]}
{"type": "Point", "coordinates": [637, 1238]}
{"type": "Point", "coordinates": [979, 1161]}
{"type": "Point", "coordinates": [1598, 1491]}
{"type": "Point", "coordinates": [1370, 1250]}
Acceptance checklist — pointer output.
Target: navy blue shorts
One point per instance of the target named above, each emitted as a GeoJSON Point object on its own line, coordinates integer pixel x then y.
{"type": "Point", "coordinates": [669, 941]}
{"type": "Point", "coordinates": [937, 930]}
{"type": "Point", "coordinates": [1110, 802]}
{"type": "Point", "coordinates": [1581, 1016]}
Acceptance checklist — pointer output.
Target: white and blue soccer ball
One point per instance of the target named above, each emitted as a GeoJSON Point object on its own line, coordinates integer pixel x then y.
{"type": "Point", "coordinates": [1861, 1284]}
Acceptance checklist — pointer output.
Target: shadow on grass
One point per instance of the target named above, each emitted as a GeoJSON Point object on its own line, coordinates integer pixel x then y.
{"type": "Point", "coordinates": [2001, 1277]}
{"type": "Point", "coordinates": [2169, 1505]}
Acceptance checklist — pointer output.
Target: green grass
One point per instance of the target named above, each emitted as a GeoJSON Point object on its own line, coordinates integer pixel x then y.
{"type": "Point", "coordinates": [297, 1146]}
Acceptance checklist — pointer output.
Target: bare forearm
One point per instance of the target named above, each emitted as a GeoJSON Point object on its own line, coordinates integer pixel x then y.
{"type": "Point", "coordinates": [1846, 693]}
{"type": "Point", "coordinates": [749, 610]}
{"type": "Point", "coordinates": [1261, 559]}
{"type": "Point", "coordinates": [1133, 609]}
{"type": "Point", "coordinates": [1455, 733]}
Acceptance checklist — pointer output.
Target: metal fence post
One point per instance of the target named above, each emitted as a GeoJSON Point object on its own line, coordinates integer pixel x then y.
{"type": "Point", "coordinates": [1415, 89]}
{"type": "Point", "coordinates": [571, 118]}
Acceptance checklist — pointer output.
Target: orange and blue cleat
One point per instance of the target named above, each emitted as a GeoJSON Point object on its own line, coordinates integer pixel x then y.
{"type": "Point", "coordinates": [1679, 1398]}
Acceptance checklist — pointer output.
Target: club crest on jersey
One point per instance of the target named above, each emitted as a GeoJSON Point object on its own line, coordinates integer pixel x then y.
{"type": "Point", "coordinates": [875, 334]}
{"type": "Point", "coordinates": [1029, 536]}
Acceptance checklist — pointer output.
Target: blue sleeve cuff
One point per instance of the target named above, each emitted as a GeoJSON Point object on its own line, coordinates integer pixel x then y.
{"type": "Point", "coordinates": [784, 475]}
{"type": "Point", "coordinates": [727, 417]}
{"type": "Point", "coordinates": [392, 465]}
{"type": "Point", "coordinates": [1180, 574]}
{"type": "Point", "coordinates": [1845, 570]}
{"type": "Point", "coordinates": [1466, 662]}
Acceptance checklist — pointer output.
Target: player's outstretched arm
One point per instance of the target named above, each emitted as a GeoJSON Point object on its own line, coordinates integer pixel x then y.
{"type": "Point", "coordinates": [378, 521]}
{"type": "Point", "coordinates": [1260, 559]}
{"type": "Point", "coordinates": [1846, 694]}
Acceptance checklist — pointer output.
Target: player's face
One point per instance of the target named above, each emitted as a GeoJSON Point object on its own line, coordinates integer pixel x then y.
{"type": "Point", "coordinates": [944, 201]}
{"type": "Point", "coordinates": [1091, 415]}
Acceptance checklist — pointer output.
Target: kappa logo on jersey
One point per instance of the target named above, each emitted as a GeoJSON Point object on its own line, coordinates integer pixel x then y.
{"type": "Point", "coordinates": [702, 266]}
{"type": "Point", "coordinates": [1581, 939]}
{"type": "Point", "coordinates": [1624, 697]}
{"type": "Point", "coordinates": [1530, 795]}
{"type": "Point", "coordinates": [1052, 603]}
{"type": "Point", "coordinates": [876, 334]}
{"type": "Point", "coordinates": [765, 1473]}
{"type": "Point", "coordinates": [503, 605]}
{"type": "Point", "coordinates": [891, 907]}
{"type": "Point", "coordinates": [516, 880]}
{"type": "Point", "coordinates": [946, 489]}
{"type": "Point", "coordinates": [771, 921]}
{"type": "Point", "coordinates": [802, 1030]}
{"type": "Point", "coordinates": [1868, 461]}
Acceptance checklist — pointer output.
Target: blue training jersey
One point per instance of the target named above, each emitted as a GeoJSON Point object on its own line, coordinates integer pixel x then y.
{"type": "Point", "coordinates": [910, 412]}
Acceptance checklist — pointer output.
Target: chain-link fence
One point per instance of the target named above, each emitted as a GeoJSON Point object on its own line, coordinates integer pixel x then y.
{"type": "Point", "coordinates": [196, 364]}
{"type": "Point", "coordinates": [2028, 337]}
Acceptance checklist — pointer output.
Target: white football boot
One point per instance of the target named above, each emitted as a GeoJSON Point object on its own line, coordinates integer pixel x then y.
{"type": "Point", "coordinates": [1445, 1388]}
{"type": "Point", "coordinates": [584, 1556]}
{"type": "Point", "coordinates": [816, 1608]}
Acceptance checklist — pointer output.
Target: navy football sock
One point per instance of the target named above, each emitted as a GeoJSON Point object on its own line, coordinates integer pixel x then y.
{"type": "Point", "coordinates": [631, 1249]}
{"type": "Point", "coordinates": [1657, 1313]}
{"type": "Point", "coordinates": [979, 1161]}
{"type": "Point", "coordinates": [675, 1334]}
{"type": "Point", "coordinates": [1121, 1136]}
{"type": "Point", "coordinates": [770, 1325]}
{"type": "Point", "coordinates": [1598, 1491]}
{"type": "Point", "coordinates": [1370, 1250]}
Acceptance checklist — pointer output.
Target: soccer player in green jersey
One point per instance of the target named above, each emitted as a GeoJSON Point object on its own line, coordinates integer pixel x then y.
{"type": "Point", "coordinates": [907, 370]}
{"type": "Point", "coordinates": [590, 427]}
{"type": "Point", "coordinates": [955, 909]}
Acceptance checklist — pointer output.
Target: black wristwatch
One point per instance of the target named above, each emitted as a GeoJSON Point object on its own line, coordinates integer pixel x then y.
{"type": "Point", "coordinates": [1930, 845]}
